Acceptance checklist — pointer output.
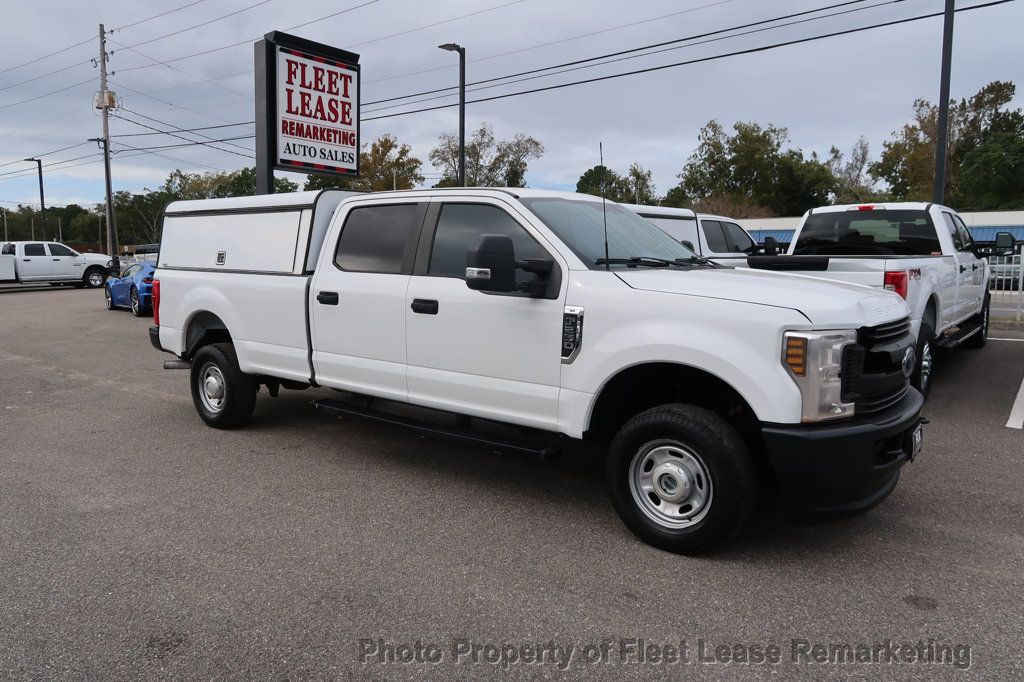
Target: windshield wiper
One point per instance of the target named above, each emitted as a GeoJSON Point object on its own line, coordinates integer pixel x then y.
{"type": "Point", "coordinates": [636, 261]}
{"type": "Point", "coordinates": [697, 260]}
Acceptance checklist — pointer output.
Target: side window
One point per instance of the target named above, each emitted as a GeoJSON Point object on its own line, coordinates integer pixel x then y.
{"type": "Point", "coordinates": [715, 235]}
{"type": "Point", "coordinates": [958, 242]}
{"type": "Point", "coordinates": [379, 239]}
{"type": "Point", "coordinates": [739, 239]}
{"type": "Point", "coordinates": [130, 272]}
{"type": "Point", "coordinates": [60, 250]}
{"type": "Point", "coordinates": [965, 234]}
{"type": "Point", "coordinates": [8, 250]}
{"type": "Point", "coordinates": [34, 250]}
{"type": "Point", "coordinates": [458, 228]}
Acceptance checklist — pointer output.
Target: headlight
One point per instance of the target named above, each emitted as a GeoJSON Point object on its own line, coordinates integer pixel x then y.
{"type": "Point", "coordinates": [815, 361]}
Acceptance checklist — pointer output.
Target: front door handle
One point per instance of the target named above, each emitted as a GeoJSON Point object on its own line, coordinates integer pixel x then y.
{"type": "Point", "coordinates": [327, 297]}
{"type": "Point", "coordinates": [56, 260]}
{"type": "Point", "coordinates": [424, 306]}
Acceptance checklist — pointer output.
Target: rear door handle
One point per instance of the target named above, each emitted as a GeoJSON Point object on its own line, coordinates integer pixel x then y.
{"type": "Point", "coordinates": [963, 268]}
{"type": "Point", "coordinates": [56, 260]}
{"type": "Point", "coordinates": [327, 297]}
{"type": "Point", "coordinates": [424, 306]}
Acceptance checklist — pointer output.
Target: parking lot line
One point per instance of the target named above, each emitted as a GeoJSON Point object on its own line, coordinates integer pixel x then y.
{"type": "Point", "coordinates": [1016, 420]}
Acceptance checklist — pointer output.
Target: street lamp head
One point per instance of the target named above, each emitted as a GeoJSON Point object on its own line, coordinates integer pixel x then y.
{"type": "Point", "coordinates": [33, 160]}
{"type": "Point", "coordinates": [451, 47]}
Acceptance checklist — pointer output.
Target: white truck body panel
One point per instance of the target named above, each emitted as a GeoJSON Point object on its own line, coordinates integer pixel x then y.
{"type": "Point", "coordinates": [46, 261]}
{"type": "Point", "coordinates": [7, 268]}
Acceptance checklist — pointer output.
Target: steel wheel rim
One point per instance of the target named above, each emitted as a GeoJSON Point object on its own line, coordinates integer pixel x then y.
{"type": "Point", "coordinates": [926, 364]}
{"type": "Point", "coordinates": [670, 484]}
{"type": "Point", "coordinates": [95, 279]}
{"type": "Point", "coordinates": [212, 387]}
{"type": "Point", "coordinates": [135, 301]}
{"type": "Point", "coordinates": [110, 301]}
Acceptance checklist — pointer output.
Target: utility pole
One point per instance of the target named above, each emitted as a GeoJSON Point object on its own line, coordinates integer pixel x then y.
{"type": "Point", "coordinates": [943, 132]}
{"type": "Point", "coordinates": [42, 199]}
{"type": "Point", "coordinates": [60, 231]}
{"type": "Point", "coordinates": [104, 101]}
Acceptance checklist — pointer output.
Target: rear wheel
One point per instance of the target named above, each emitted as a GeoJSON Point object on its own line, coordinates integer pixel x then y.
{"type": "Point", "coordinates": [922, 376]}
{"type": "Point", "coordinates": [137, 309]}
{"type": "Point", "coordinates": [681, 478]}
{"type": "Point", "coordinates": [981, 338]}
{"type": "Point", "coordinates": [224, 396]}
{"type": "Point", "coordinates": [94, 277]}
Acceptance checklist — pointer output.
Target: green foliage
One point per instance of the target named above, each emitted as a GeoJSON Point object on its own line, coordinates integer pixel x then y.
{"type": "Point", "coordinates": [383, 165]}
{"type": "Point", "coordinates": [635, 187]}
{"type": "Point", "coordinates": [750, 169]}
{"type": "Point", "coordinates": [983, 167]}
{"type": "Point", "coordinates": [489, 162]}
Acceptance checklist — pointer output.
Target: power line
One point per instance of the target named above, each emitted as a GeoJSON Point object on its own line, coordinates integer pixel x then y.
{"type": "Point", "coordinates": [175, 128]}
{"type": "Point", "coordinates": [157, 16]}
{"type": "Point", "coordinates": [438, 23]}
{"type": "Point", "coordinates": [183, 130]}
{"type": "Point", "coordinates": [690, 61]}
{"type": "Point", "coordinates": [249, 41]}
{"type": "Point", "coordinates": [631, 50]}
{"type": "Point", "coordinates": [27, 173]}
{"type": "Point", "coordinates": [201, 25]}
{"type": "Point", "coordinates": [192, 144]}
{"type": "Point", "coordinates": [33, 99]}
{"type": "Point", "coordinates": [182, 137]}
{"type": "Point", "coordinates": [174, 68]}
{"type": "Point", "coordinates": [54, 151]}
{"type": "Point", "coordinates": [143, 152]}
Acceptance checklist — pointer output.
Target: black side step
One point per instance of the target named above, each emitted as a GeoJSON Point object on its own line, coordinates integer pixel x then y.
{"type": "Point", "coordinates": [966, 331]}
{"type": "Point", "coordinates": [540, 450]}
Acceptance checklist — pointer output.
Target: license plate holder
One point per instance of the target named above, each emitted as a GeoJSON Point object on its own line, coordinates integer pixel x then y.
{"type": "Point", "coordinates": [915, 439]}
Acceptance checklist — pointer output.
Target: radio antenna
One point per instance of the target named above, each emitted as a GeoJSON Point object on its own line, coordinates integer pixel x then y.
{"type": "Point", "coordinates": [604, 202]}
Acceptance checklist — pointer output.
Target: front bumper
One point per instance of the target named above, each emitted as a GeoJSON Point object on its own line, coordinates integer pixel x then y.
{"type": "Point", "coordinates": [843, 468]}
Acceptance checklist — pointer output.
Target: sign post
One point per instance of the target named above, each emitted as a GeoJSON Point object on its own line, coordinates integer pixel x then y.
{"type": "Point", "coordinates": [307, 109]}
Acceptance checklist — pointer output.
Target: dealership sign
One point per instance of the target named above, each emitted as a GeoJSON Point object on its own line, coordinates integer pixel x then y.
{"type": "Point", "coordinates": [307, 108]}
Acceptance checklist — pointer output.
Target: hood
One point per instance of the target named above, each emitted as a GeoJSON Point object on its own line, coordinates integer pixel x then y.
{"type": "Point", "coordinates": [98, 257]}
{"type": "Point", "coordinates": [825, 302]}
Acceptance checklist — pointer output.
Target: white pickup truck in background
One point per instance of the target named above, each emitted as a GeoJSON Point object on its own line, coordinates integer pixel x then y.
{"type": "Point", "coordinates": [50, 262]}
{"type": "Point", "coordinates": [495, 317]}
{"type": "Point", "coordinates": [714, 237]}
{"type": "Point", "coordinates": [921, 251]}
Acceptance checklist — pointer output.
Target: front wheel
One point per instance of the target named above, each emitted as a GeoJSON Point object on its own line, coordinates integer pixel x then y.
{"type": "Point", "coordinates": [224, 396]}
{"type": "Point", "coordinates": [94, 278]}
{"type": "Point", "coordinates": [681, 478]}
{"type": "Point", "coordinates": [922, 376]}
{"type": "Point", "coordinates": [108, 298]}
{"type": "Point", "coordinates": [981, 338]}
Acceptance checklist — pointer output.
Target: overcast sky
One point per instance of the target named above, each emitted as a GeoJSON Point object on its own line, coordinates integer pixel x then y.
{"type": "Point", "coordinates": [825, 92]}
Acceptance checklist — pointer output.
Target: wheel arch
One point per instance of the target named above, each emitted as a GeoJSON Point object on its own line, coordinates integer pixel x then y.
{"type": "Point", "coordinates": [204, 327]}
{"type": "Point", "coordinates": [644, 385]}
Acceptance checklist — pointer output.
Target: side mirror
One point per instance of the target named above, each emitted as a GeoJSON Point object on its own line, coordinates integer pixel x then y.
{"type": "Point", "coordinates": [688, 244]}
{"type": "Point", "coordinates": [1005, 243]}
{"type": "Point", "coordinates": [491, 264]}
{"type": "Point", "coordinates": [771, 246]}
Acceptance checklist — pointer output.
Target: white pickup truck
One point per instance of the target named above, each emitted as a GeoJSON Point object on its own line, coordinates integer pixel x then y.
{"type": "Point", "coordinates": [41, 262]}
{"type": "Point", "coordinates": [714, 237]}
{"type": "Point", "coordinates": [921, 251]}
{"type": "Point", "coordinates": [493, 305]}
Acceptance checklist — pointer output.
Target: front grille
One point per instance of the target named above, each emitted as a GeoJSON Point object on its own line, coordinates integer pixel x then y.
{"type": "Point", "coordinates": [884, 333]}
{"type": "Point", "coordinates": [872, 368]}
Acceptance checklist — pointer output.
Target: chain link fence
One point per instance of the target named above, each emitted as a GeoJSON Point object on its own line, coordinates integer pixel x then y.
{"type": "Point", "coordinates": [1007, 286]}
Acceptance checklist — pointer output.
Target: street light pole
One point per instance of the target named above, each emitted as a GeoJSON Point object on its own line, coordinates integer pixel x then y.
{"type": "Point", "coordinates": [42, 199]}
{"type": "Point", "coordinates": [943, 131]}
{"type": "Point", "coordinates": [452, 47]}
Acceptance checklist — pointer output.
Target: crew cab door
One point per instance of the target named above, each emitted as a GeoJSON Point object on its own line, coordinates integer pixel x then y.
{"type": "Point", "coordinates": [970, 271]}
{"type": "Point", "coordinates": [478, 353]}
{"type": "Point", "coordinates": [357, 298]}
{"type": "Point", "coordinates": [64, 263]}
{"type": "Point", "coordinates": [34, 263]}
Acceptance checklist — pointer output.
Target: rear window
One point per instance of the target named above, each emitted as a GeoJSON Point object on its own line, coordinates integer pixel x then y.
{"type": "Point", "coordinates": [379, 238]}
{"type": "Point", "coordinates": [34, 250]}
{"type": "Point", "coordinates": [868, 233]}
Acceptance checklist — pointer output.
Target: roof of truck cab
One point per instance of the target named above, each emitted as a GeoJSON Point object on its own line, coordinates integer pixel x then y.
{"type": "Point", "coordinates": [289, 200]}
{"type": "Point", "coordinates": [665, 211]}
{"type": "Point", "coordinates": [881, 206]}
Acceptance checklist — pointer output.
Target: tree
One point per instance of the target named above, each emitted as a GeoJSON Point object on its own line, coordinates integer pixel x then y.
{"type": "Point", "coordinates": [981, 130]}
{"type": "Point", "coordinates": [853, 184]}
{"type": "Point", "coordinates": [676, 198]}
{"type": "Point", "coordinates": [384, 164]}
{"type": "Point", "coordinates": [489, 162]}
{"type": "Point", "coordinates": [635, 187]}
{"type": "Point", "coordinates": [750, 169]}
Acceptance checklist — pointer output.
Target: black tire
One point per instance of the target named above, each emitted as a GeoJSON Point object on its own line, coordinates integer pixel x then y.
{"type": "Point", "coordinates": [924, 370]}
{"type": "Point", "coordinates": [730, 493]}
{"type": "Point", "coordinates": [136, 305]}
{"type": "Point", "coordinates": [238, 397]}
{"type": "Point", "coordinates": [90, 279]}
{"type": "Point", "coordinates": [108, 299]}
{"type": "Point", "coordinates": [981, 338]}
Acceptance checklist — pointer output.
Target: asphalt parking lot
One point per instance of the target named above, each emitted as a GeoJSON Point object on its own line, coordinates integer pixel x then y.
{"type": "Point", "coordinates": [134, 541]}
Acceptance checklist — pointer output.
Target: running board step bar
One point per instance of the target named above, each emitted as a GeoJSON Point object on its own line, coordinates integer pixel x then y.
{"type": "Point", "coordinates": [540, 450]}
{"type": "Point", "coordinates": [958, 335]}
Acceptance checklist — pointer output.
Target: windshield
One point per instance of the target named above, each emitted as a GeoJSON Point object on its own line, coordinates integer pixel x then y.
{"type": "Point", "coordinates": [580, 224]}
{"type": "Point", "coordinates": [868, 233]}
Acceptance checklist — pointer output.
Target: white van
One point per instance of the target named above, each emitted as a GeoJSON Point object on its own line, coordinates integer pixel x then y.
{"type": "Point", "coordinates": [715, 237]}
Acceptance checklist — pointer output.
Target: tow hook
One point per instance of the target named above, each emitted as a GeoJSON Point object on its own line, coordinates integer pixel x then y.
{"type": "Point", "coordinates": [177, 364]}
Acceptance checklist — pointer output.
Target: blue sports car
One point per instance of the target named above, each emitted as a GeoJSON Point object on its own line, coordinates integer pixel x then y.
{"type": "Point", "coordinates": [133, 289]}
